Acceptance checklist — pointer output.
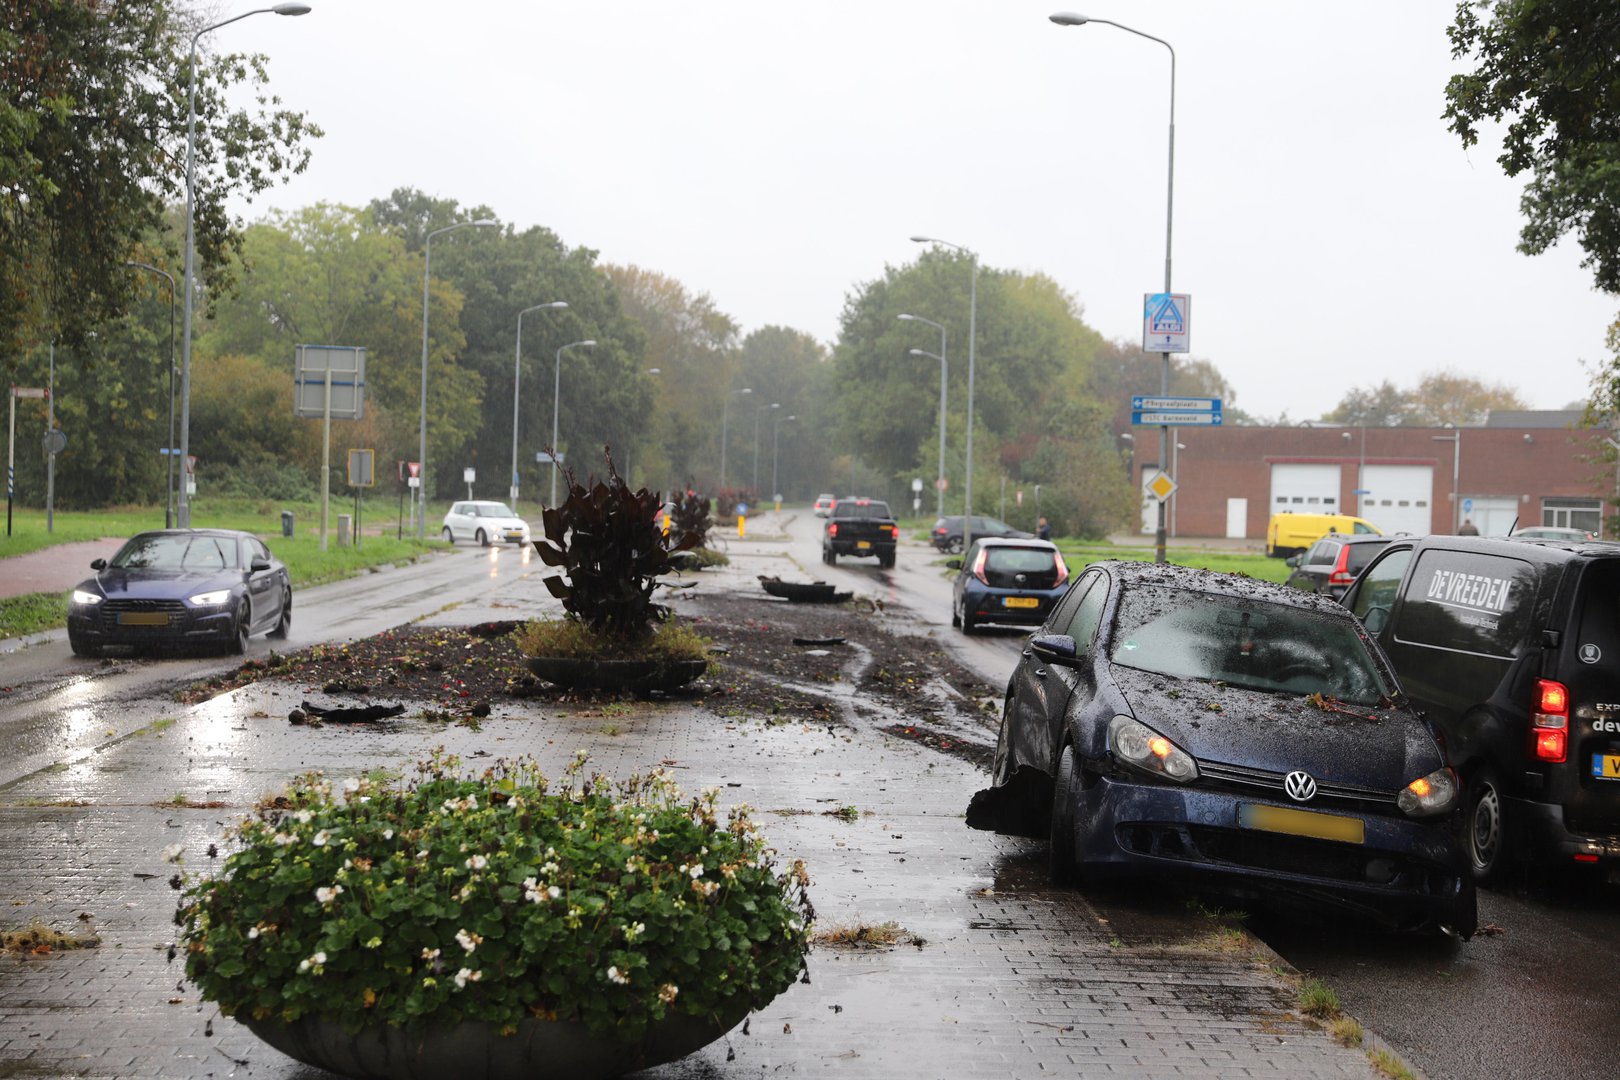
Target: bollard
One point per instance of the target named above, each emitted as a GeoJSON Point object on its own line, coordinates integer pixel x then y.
{"type": "Point", "coordinates": [666, 526]}
{"type": "Point", "coordinates": [344, 529]}
{"type": "Point", "coordinates": [286, 523]}
{"type": "Point", "coordinates": [741, 522]}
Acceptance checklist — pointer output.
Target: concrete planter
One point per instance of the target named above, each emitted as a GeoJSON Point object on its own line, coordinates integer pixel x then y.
{"type": "Point", "coordinates": [576, 673]}
{"type": "Point", "coordinates": [540, 1050]}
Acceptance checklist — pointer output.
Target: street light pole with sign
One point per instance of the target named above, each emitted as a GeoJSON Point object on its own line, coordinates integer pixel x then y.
{"type": "Point", "coordinates": [556, 410]}
{"type": "Point", "coordinates": [944, 384]}
{"type": "Point", "coordinates": [517, 368]}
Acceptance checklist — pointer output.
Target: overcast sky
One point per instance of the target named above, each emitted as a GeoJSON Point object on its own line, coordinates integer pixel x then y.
{"type": "Point", "coordinates": [775, 155]}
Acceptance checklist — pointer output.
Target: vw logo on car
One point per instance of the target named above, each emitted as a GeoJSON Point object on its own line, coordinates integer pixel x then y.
{"type": "Point", "coordinates": [1299, 784]}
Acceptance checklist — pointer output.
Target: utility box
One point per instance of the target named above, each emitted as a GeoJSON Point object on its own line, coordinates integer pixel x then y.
{"type": "Point", "coordinates": [345, 529]}
{"type": "Point", "coordinates": [286, 523]}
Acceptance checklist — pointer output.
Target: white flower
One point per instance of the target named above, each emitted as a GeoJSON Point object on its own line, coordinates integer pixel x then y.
{"type": "Point", "coordinates": [327, 894]}
{"type": "Point", "coordinates": [320, 838]}
{"type": "Point", "coordinates": [465, 976]}
{"type": "Point", "coordinates": [172, 852]}
{"type": "Point", "coordinates": [667, 992]}
{"type": "Point", "coordinates": [253, 933]}
{"type": "Point", "coordinates": [468, 940]}
{"type": "Point", "coordinates": [477, 862]}
{"type": "Point", "coordinates": [549, 868]}
{"type": "Point", "coordinates": [553, 892]}
{"type": "Point", "coordinates": [634, 930]}
{"type": "Point", "coordinates": [304, 817]}
{"type": "Point", "coordinates": [388, 834]}
{"type": "Point", "coordinates": [314, 961]}
{"type": "Point", "coordinates": [616, 976]}
{"type": "Point", "coordinates": [430, 954]}
{"type": "Point", "coordinates": [695, 870]}
{"type": "Point", "coordinates": [282, 839]}
{"type": "Point", "coordinates": [351, 785]}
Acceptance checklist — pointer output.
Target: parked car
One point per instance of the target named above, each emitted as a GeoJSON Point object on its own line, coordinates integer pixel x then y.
{"type": "Point", "coordinates": [1509, 647]}
{"type": "Point", "coordinates": [1239, 735]}
{"type": "Point", "coordinates": [1333, 562]}
{"type": "Point", "coordinates": [181, 587]}
{"type": "Point", "coordinates": [860, 527]}
{"type": "Point", "coordinates": [1550, 532]}
{"type": "Point", "coordinates": [1006, 581]}
{"type": "Point", "coordinates": [947, 531]}
{"type": "Point", "coordinates": [1291, 534]}
{"type": "Point", "coordinates": [824, 503]}
{"type": "Point", "coordinates": [484, 522]}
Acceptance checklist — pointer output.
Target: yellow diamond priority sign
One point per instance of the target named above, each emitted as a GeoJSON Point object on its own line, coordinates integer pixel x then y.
{"type": "Point", "coordinates": [1161, 486]}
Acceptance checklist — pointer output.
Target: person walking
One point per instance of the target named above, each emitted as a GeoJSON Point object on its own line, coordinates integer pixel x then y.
{"type": "Point", "coordinates": [1468, 528]}
{"type": "Point", "coordinates": [1044, 529]}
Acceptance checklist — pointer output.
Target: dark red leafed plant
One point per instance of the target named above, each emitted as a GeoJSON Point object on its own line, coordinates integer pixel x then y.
{"type": "Point", "coordinates": [692, 516]}
{"type": "Point", "coordinates": [608, 542]}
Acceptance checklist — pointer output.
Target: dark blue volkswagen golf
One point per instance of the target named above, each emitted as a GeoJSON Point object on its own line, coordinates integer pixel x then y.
{"type": "Point", "coordinates": [1240, 735]}
{"type": "Point", "coordinates": [178, 587]}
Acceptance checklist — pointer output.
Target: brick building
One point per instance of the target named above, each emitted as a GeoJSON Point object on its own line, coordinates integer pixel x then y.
{"type": "Point", "coordinates": [1533, 467]}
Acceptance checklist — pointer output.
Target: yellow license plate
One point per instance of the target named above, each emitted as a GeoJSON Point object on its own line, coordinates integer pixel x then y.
{"type": "Point", "coordinates": [1020, 601]}
{"type": "Point", "coordinates": [1606, 766]}
{"type": "Point", "coordinates": [1281, 819]}
{"type": "Point", "coordinates": [862, 545]}
{"type": "Point", "coordinates": [143, 618]}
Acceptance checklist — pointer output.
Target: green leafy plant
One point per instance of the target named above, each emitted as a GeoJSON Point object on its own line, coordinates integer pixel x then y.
{"type": "Point", "coordinates": [608, 542]}
{"type": "Point", "coordinates": [495, 898]}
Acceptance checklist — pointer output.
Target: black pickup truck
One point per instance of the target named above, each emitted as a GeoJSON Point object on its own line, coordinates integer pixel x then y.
{"type": "Point", "coordinates": [860, 527]}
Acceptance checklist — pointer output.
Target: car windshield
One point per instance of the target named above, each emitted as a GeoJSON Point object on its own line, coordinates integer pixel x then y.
{"type": "Point", "coordinates": [159, 551]}
{"type": "Point", "coordinates": [491, 510]}
{"type": "Point", "coordinates": [1257, 645]}
{"type": "Point", "coordinates": [866, 508]}
{"type": "Point", "coordinates": [1018, 560]}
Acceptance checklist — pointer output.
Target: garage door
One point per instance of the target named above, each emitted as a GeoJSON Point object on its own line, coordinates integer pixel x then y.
{"type": "Point", "coordinates": [1305, 489]}
{"type": "Point", "coordinates": [1399, 498]}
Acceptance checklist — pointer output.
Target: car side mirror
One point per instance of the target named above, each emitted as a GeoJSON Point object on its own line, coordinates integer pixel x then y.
{"type": "Point", "coordinates": [1293, 561]}
{"type": "Point", "coordinates": [953, 564]}
{"type": "Point", "coordinates": [1055, 648]}
{"type": "Point", "coordinates": [98, 564]}
{"type": "Point", "coordinates": [258, 564]}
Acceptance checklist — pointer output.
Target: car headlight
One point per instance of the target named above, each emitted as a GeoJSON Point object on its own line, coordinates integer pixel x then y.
{"type": "Point", "coordinates": [85, 599]}
{"type": "Point", "coordinates": [1140, 746]}
{"type": "Point", "coordinates": [1429, 795]}
{"type": "Point", "coordinates": [211, 599]}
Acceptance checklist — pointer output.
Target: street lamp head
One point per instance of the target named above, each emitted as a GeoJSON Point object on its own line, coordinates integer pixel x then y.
{"type": "Point", "coordinates": [291, 9]}
{"type": "Point", "coordinates": [655, 371]}
{"type": "Point", "coordinates": [1069, 18]}
{"type": "Point", "coordinates": [746, 390]}
{"type": "Point", "coordinates": [584, 344]}
{"type": "Point", "coordinates": [923, 240]}
{"type": "Point", "coordinates": [907, 318]}
{"type": "Point", "coordinates": [785, 418]}
{"type": "Point", "coordinates": [556, 304]}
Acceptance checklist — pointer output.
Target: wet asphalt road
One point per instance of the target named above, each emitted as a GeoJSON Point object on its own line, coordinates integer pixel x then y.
{"type": "Point", "coordinates": [58, 708]}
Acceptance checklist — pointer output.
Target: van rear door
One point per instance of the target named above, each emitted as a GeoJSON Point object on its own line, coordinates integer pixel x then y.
{"type": "Point", "coordinates": [1589, 665]}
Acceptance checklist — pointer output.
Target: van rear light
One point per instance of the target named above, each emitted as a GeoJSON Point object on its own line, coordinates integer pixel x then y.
{"type": "Point", "coordinates": [978, 565]}
{"type": "Point", "coordinates": [894, 531]}
{"type": "Point", "coordinates": [1549, 724]}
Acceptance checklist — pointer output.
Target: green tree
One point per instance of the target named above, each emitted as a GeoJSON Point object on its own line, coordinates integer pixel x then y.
{"type": "Point", "coordinates": [1439, 398]}
{"type": "Point", "coordinates": [1548, 67]}
{"type": "Point", "coordinates": [92, 147]}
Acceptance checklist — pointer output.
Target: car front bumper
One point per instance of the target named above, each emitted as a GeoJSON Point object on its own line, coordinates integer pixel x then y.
{"type": "Point", "coordinates": [150, 623]}
{"type": "Point", "coordinates": [1406, 874]}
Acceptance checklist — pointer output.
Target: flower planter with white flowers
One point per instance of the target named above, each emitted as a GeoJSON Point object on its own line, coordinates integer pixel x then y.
{"type": "Point", "coordinates": [493, 925]}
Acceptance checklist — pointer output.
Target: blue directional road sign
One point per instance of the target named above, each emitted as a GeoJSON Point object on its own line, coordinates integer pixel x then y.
{"type": "Point", "coordinates": [1175, 411]}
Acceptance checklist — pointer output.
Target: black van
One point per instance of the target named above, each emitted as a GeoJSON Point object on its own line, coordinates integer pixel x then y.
{"type": "Point", "coordinates": [1512, 649]}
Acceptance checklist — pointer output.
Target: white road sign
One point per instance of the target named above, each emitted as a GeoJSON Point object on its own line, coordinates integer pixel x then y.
{"type": "Point", "coordinates": [1167, 322]}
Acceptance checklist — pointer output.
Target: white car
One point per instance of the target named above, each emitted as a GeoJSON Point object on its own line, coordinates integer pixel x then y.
{"type": "Point", "coordinates": [486, 522]}
{"type": "Point", "coordinates": [824, 504]}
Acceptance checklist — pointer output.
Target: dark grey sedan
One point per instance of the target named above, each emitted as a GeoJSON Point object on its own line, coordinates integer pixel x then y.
{"type": "Point", "coordinates": [182, 587]}
{"type": "Point", "coordinates": [1242, 736]}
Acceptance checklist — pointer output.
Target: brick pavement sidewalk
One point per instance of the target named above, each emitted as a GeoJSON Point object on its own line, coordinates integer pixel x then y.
{"type": "Point", "coordinates": [1013, 979]}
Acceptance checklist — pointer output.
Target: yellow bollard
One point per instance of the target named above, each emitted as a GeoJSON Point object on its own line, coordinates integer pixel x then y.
{"type": "Point", "coordinates": [741, 523]}
{"type": "Point", "coordinates": [666, 526]}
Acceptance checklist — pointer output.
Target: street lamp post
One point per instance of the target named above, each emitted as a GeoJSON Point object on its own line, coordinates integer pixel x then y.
{"type": "Point", "coordinates": [168, 447]}
{"type": "Point", "coordinates": [627, 479]}
{"type": "Point", "coordinates": [776, 428]}
{"type": "Point", "coordinates": [556, 410]}
{"type": "Point", "coordinates": [1455, 439]}
{"type": "Point", "coordinates": [725, 407]}
{"type": "Point", "coordinates": [517, 368]}
{"type": "Point", "coordinates": [1070, 19]}
{"type": "Point", "coordinates": [184, 511]}
{"type": "Point", "coordinates": [939, 485]}
{"type": "Point", "coordinates": [421, 450]}
{"type": "Point", "coordinates": [973, 334]}
{"type": "Point", "coordinates": [757, 413]}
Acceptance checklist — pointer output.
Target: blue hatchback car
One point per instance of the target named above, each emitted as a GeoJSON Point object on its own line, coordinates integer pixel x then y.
{"type": "Point", "coordinates": [1008, 581]}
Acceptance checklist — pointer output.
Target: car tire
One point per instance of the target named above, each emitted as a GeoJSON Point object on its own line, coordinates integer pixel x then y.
{"type": "Point", "coordinates": [886, 562]}
{"type": "Point", "coordinates": [954, 545]}
{"type": "Point", "coordinates": [241, 628]}
{"type": "Point", "coordinates": [284, 622]}
{"type": "Point", "coordinates": [482, 538]}
{"type": "Point", "coordinates": [1487, 838]}
{"type": "Point", "coordinates": [968, 622]}
{"type": "Point", "coordinates": [956, 616]}
{"type": "Point", "coordinates": [829, 556]}
{"type": "Point", "coordinates": [1061, 864]}
{"type": "Point", "coordinates": [81, 647]}
{"type": "Point", "coordinates": [449, 537]}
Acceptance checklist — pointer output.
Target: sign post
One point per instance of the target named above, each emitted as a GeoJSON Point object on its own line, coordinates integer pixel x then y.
{"type": "Point", "coordinates": [328, 381]}
{"type": "Point", "coordinates": [362, 474]}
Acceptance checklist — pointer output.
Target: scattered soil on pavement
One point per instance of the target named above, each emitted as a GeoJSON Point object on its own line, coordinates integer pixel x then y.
{"type": "Point", "coordinates": [852, 667]}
